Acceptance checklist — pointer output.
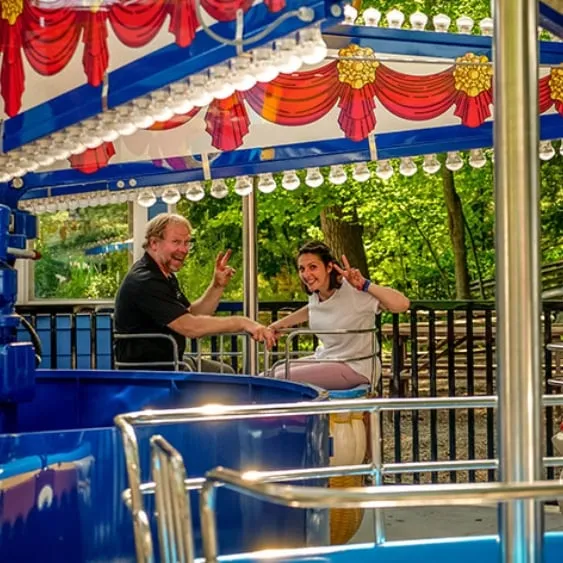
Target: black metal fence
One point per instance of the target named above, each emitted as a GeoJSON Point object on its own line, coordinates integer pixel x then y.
{"type": "Point", "coordinates": [436, 349]}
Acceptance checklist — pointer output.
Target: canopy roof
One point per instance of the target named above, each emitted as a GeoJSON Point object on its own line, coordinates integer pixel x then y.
{"type": "Point", "coordinates": [132, 110]}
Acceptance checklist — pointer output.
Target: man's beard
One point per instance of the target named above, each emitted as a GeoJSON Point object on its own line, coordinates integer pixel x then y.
{"type": "Point", "coordinates": [175, 263]}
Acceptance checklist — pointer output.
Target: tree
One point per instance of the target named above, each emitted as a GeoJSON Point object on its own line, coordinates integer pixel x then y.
{"type": "Point", "coordinates": [344, 235]}
{"type": "Point", "coordinates": [456, 226]}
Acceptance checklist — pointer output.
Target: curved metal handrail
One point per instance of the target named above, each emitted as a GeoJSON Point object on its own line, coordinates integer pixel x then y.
{"type": "Point", "coordinates": [297, 496]}
{"type": "Point", "coordinates": [126, 424]}
{"type": "Point", "coordinates": [294, 333]}
{"type": "Point", "coordinates": [176, 363]}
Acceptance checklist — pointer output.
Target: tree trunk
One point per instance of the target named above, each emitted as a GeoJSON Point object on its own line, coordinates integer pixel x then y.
{"type": "Point", "coordinates": [457, 234]}
{"type": "Point", "coordinates": [344, 236]}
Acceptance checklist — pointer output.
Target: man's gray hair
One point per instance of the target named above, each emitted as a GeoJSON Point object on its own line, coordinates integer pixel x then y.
{"type": "Point", "coordinates": [156, 227]}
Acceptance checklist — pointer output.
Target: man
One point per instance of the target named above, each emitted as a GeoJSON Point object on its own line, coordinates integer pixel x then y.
{"type": "Point", "coordinates": [150, 301]}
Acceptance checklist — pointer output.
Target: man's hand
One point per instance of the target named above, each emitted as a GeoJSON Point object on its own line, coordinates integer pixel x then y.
{"type": "Point", "coordinates": [352, 275]}
{"type": "Point", "coordinates": [223, 272]}
{"type": "Point", "coordinates": [260, 333]}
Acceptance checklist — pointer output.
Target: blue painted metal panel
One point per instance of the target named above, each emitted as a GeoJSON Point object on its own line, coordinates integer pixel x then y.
{"type": "Point", "coordinates": [87, 520]}
{"type": "Point", "coordinates": [83, 341]}
{"type": "Point", "coordinates": [425, 43]}
{"type": "Point", "coordinates": [551, 17]}
{"type": "Point", "coordinates": [64, 351]}
{"type": "Point", "coordinates": [104, 354]}
{"type": "Point", "coordinates": [484, 549]}
{"type": "Point", "coordinates": [158, 207]}
{"type": "Point", "coordinates": [44, 331]}
{"type": "Point", "coordinates": [116, 246]}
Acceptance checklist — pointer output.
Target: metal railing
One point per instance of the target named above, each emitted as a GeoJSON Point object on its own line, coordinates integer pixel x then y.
{"type": "Point", "coordinates": [133, 496]}
{"type": "Point", "coordinates": [176, 364]}
{"type": "Point", "coordinates": [436, 349]}
{"type": "Point", "coordinates": [368, 497]}
{"type": "Point", "coordinates": [294, 333]}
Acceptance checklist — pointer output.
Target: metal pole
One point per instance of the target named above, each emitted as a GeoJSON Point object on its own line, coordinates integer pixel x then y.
{"type": "Point", "coordinates": [518, 288]}
{"type": "Point", "coordinates": [250, 266]}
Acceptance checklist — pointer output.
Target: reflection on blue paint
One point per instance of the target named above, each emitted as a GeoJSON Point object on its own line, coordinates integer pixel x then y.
{"type": "Point", "coordinates": [72, 461]}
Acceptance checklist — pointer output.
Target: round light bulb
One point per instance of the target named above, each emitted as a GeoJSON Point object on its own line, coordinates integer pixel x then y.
{"type": "Point", "coordinates": [407, 167]}
{"type": "Point", "coordinates": [314, 178]}
{"type": "Point", "coordinates": [123, 124]}
{"type": "Point", "coordinates": [290, 180]}
{"type": "Point", "coordinates": [464, 24]}
{"type": "Point", "coordinates": [242, 77]}
{"type": "Point", "coordinates": [441, 23]}
{"type": "Point", "coordinates": [477, 158]}
{"type": "Point", "coordinates": [350, 14]}
{"type": "Point", "coordinates": [289, 61]}
{"type": "Point", "coordinates": [266, 183]}
{"type": "Point", "coordinates": [337, 175]}
{"type": "Point", "coordinates": [160, 107]}
{"type": "Point", "coordinates": [547, 152]}
{"type": "Point", "coordinates": [170, 196]}
{"type": "Point", "coordinates": [146, 198]}
{"type": "Point", "coordinates": [372, 17]}
{"type": "Point", "coordinates": [361, 172]}
{"type": "Point", "coordinates": [263, 59]}
{"type": "Point", "coordinates": [220, 84]}
{"type": "Point", "coordinates": [243, 186]}
{"type": "Point", "coordinates": [195, 192]}
{"type": "Point", "coordinates": [199, 94]}
{"type": "Point", "coordinates": [219, 189]}
{"type": "Point", "coordinates": [454, 162]}
{"type": "Point", "coordinates": [395, 19]}
{"type": "Point", "coordinates": [486, 26]}
{"type": "Point", "coordinates": [384, 170]}
{"type": "Point", "coordinates": [431, 164]}
{"type": "Point", "coordinates": [312, 47]}
{"type": "Point", "coordinates": [418, 21]}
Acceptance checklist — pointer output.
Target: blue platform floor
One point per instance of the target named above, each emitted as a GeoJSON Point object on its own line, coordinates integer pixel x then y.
{"type": "Point", "coordinates": [436, 522]}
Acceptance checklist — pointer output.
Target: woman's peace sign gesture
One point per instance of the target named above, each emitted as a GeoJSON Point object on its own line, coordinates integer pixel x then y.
{"type": "Point", "coordinates": [352, 275]}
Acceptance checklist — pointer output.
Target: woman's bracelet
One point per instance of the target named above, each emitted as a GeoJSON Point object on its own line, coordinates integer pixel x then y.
{"type": "Point", "coordinates": [366, 285]}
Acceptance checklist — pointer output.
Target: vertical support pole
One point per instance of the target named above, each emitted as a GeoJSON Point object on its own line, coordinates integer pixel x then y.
{"type": "Point", "coordinates": [24, 269]}
{"type": "Point", "coordinates": [376, 450]}
{"type": "Point", "coordinates": [250, 267]}
{"type": "Point", "coordinates": [139, 218]}
{"type": "Point", "coordinates": [518, 288]}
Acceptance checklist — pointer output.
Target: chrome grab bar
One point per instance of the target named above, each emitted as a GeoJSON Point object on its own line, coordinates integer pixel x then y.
{"type": "Point", "coordinates": [294, 333]}
{"type": "Point", "coordinates": [175, 531]}
{"type": "Point", "coordinates": [359, 497]}
{"type": "Point", "coordinates": [126, 424]}
{"type": "Point", "coordinates": [176, 363]}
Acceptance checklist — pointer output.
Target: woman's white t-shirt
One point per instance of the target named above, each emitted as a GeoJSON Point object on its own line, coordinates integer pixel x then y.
{"type": "Point", "coordinates": [346, 308]}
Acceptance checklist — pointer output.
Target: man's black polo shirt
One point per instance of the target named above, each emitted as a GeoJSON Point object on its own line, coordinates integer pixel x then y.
{"type": "Point", "coordinates": [147, 302]}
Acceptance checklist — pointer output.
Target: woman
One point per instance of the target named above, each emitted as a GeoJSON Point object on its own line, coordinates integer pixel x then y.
{"type": "Point", "coordinates": [339, 298]}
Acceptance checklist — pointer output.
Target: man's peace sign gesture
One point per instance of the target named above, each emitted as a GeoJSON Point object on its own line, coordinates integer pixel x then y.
{"type": "Point", "coordinates": [223, 272]}
{"type": "Point", "coordinates": [352, 275]}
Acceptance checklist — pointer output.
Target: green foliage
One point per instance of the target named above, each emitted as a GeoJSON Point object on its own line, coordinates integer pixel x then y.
{"type": "Point", "coordinates": [476, 9]}
{"type": "Point", "coordinates": [64, 270]}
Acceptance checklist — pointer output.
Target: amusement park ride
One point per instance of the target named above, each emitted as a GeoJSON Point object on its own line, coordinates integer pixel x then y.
{"type": "Point", "coordinates": [124, 101]}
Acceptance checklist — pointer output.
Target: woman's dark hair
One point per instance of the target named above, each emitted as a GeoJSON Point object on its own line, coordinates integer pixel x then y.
{"type": "Point", "coordinates": [321, 250]}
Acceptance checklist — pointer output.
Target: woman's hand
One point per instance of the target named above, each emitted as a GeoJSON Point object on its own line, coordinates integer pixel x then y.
{"type": "Point", "coordinates": [260, 333]}
{"type": "Point", "coordinates": [352, 275]}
